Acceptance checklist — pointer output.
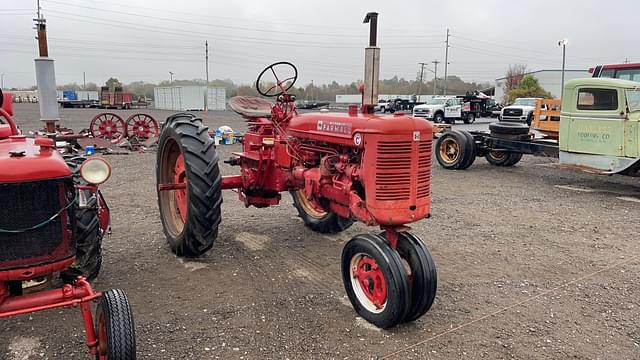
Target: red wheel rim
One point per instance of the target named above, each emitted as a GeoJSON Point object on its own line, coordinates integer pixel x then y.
{"type": "Point", "coordinates": [368, 282]}
{"type": "Point", "coordinates": [142, 126]}
{"type": "Point", "coordinates": [102, 338]}
{"type": "Point", "coordinates": [180, 177]}
{"type": "Point", "coordinates": [108, 126]}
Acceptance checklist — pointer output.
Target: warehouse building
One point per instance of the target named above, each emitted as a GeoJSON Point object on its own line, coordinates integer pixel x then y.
{"type": "Point", "coordinates": [550, 80]}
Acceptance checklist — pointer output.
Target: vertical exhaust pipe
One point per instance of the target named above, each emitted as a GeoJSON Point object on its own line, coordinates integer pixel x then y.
{"type": "Point", "coordinates": [371, 65]}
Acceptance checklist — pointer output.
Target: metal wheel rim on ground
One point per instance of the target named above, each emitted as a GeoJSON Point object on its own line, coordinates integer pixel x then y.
{"type": "Point", "coordinates": [449, 151]}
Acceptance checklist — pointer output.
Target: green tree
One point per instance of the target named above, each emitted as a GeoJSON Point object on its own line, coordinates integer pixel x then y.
{"type": "Point", "coordinates": [528, 87]}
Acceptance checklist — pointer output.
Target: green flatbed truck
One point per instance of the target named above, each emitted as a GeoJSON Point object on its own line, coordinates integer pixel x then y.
{"type": "Point", "coordinates": [598, 133]}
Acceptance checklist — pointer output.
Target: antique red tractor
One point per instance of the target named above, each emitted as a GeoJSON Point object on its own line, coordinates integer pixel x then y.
{"type": "Point", "coordinates": [339, 168]}
{"type": "Point", "coordinates": [51, 228]}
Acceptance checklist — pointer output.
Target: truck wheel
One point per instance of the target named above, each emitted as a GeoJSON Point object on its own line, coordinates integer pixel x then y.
{"type": "Point", "coordinates": [315, 217]}
{"type": "Point", "coordinates": [472, 151]}
{"type": "Point", "coordinates": [498, 158]}
{"type": "Point", "coordinates": [188, 180]}
{"type": "Point", "coordinates": [383, 110]}
{"type": "Point", "coordinates": [529, 119]}
{"type": "Point", "coordinates": [115, 328]}
{"type": "Point", "coordinates": [88, 234]}
{"type": "Point", "coordinates": [469, 119]}
{"type": "Point", "coordinates": [514, 158]}
{"type": "Point", "coordinates": [438, 118]}
{"type": "Point", "coordinates": [453, 150]}
{"type": "Point", "coordinates": [423, 278]}
{"type": "Point", "coordinates": [375, 280]}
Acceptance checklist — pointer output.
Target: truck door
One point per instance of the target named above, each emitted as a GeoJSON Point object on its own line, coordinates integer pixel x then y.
{"type": "Point", "coordinates": [631, 131]}
{"type": "Point", "coordinates": [453, 108]}
{"type": "Point", "coordinates": [598, 124]}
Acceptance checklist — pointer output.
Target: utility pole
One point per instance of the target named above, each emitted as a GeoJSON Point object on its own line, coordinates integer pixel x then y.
{"type": "Point", "coordinates": [563, 43]}
{"type": "Point", "coordinates": [435, 75]}
{"type": "Point", "coordinates": [170, 78]}
{"type": "Point", "coordinates": [1, 81]}
{"type": "Point", "coordinates": [446, 61]}
{"type": "Point", "coordinates": [84, 80]}
{"type": "Point", "coordinates": [206, 88]}
{"type": "Point", "coordinates": [421, 73]}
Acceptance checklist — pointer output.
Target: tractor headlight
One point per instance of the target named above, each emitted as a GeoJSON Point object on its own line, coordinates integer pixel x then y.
{"type": "Point", "coordinates": [95, 171]}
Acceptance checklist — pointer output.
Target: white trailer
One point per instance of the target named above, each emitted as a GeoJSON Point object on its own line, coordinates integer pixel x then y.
{"type": "Point", "coordinates": [189, 98]}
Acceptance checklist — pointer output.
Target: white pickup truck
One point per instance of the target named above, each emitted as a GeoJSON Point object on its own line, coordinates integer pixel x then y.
{"type": "Point", "coordinates": [520, 111]}
{"type": "Point", "coordinates": [443, 109]}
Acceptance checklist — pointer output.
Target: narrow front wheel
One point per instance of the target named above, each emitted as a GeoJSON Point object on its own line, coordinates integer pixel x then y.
{"type": "Point", "coordinates": [115, 328]}
{"type": "Point", "coordinates": [375, 280]}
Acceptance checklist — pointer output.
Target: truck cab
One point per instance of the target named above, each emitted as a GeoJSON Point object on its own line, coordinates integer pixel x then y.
{"type": "Point", "coordinates": [599, 125]}
{"type": "Point", "coordinates": [440, 109]}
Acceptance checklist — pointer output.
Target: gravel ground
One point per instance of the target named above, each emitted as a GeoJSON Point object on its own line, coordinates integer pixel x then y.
{"type": "Point", "coordinates": [534, 262]}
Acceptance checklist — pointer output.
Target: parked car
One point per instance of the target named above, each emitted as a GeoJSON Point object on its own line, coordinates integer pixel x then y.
{"type": "Point", "coordinates": [383, 105]}
{"type": "Point", "coordinates": [520, 111]}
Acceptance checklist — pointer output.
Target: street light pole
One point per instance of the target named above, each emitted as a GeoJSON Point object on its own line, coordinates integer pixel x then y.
{"type": "Point", "coordinates": [170, 78]}
{"type": "Point", "coordinates": [1, 81]}
{"type": "Point", "coordinates": [563, 43]}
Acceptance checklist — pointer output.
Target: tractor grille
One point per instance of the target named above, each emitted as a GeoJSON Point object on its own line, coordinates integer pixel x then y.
{"type": "Point", "coordinates": [393, 176]}
{"type": "Point", "coordinates": [424, 169]}
{"type": "Point", "coordinates": [26, 205]}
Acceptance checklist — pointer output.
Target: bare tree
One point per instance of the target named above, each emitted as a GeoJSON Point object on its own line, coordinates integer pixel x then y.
{"type": "Point", "coordinates": [515, 74]}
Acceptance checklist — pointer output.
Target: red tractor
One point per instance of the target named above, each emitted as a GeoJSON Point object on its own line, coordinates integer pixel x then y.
{"type": "Point", "coordinates": [339, 168]}
{"type": "Point", "coordinates": [51, 228]}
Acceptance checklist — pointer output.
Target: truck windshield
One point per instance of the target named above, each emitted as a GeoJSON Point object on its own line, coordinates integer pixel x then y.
{"type": "Point", "coordinates": [525, 102]}
{"type": "Point", "coordinates": [633, 99]}
{"type": "Point", "coordinates": [436, 101]}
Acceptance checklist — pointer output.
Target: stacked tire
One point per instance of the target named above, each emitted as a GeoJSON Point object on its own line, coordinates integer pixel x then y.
{"type": "Point", "coordinates": [511, 131]}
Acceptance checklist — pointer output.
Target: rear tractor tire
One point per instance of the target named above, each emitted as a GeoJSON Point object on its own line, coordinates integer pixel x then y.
{"type": "Point", "coordinates": [187, 160]}
{"type": "Point", "coordinates": [316, 218]}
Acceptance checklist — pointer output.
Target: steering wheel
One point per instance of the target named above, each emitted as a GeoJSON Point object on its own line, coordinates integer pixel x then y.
{"type": "Point", "coordinates": [272, 90]}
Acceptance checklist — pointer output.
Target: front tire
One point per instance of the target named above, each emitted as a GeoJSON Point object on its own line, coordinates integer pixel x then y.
{"type": "Point", "coordinates": [455, 151]}
{"type": "Point", "coordinates": [438, 118]}
{"type": "Point", "coordinates": [88, 234]}
{"type": "Point", "coordinates": [375, 280]}
{"type": "Point", "coordinates": [316, 218]}
{"type": "Point", "coordinates": [190, 213]}
{"type": "Point", "coordinates": [115, 328]}
{"type": "Point", "coordinates": [423, 279]}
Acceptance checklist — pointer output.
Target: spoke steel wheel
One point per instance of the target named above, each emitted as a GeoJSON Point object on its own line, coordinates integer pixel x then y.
{"type": "Point", "coordinates": [142, 126]}
{"type": "Point", "coordinates": [108, 126]}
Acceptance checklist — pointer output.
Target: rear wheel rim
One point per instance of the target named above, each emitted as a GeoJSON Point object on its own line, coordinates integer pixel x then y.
{"type": "Point", "coordinates": [142, 126]}
{"type": "Point", "coordinates": [449, 151]}
{"type": "Point", "coordinates": [108, 126]}
{"type": "Point", "coordinates": [368, 283]}
{"type": "Point", "coordinates": [174, 203]}
{"type": "Point", "coordinates": [310, 206]}
{"type": "Point", "coordinates": [497, 155]}
{"type": "Point", "coordinates": [102, 337]}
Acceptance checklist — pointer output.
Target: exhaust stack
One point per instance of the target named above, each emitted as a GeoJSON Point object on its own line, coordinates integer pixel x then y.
{"type": "Point", "coordinates": [46, 79]}
{"type": "Point", "coordinates": [371, 65]}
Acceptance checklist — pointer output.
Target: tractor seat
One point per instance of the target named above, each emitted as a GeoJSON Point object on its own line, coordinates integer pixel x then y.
{"type": "Point", "coordinates": [250, 106]}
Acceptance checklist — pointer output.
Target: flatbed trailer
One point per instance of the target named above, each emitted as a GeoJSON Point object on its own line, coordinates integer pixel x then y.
{"type": "Point", "coordinates": [78, 103]}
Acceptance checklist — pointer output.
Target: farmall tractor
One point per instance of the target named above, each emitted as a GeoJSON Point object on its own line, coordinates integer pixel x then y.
{"type": "Point", "coordinates": [339, 168]}
{"type": "Point", "coordinates": [51, 228]}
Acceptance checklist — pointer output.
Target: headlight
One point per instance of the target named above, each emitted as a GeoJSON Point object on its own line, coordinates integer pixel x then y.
{"type": "Point", "coordinates": [95, 171]}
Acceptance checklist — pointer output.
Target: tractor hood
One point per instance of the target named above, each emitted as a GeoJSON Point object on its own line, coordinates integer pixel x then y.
{"type": "Point", "coordinates": [26, 159]}
{"type": "Point", "coordinates": [340, 128]}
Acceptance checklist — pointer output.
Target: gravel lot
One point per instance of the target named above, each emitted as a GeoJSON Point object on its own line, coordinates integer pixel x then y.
{"type": "Point", "coordinates": [534, 262]}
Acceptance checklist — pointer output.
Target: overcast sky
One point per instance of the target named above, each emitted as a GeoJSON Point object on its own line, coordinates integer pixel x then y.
{"type": "Point", "coordinates": [144, 40]}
